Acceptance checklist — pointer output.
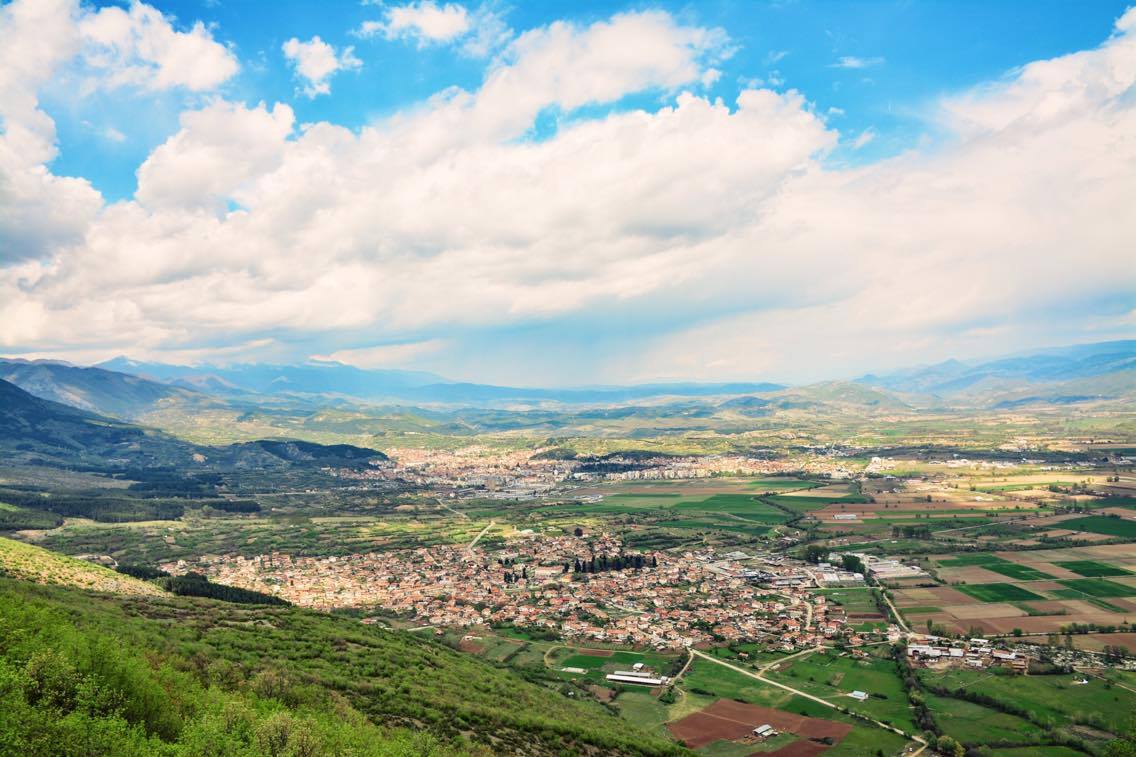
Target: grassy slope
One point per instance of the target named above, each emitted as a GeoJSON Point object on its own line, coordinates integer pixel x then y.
{"type": "Point", "coordinates": [32, 563]}
{"type": "Point", "coordinates": [296, 657]}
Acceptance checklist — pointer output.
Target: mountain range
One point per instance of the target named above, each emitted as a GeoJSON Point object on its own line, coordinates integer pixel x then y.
{"type": "Point", "coordinates": [140, 392]}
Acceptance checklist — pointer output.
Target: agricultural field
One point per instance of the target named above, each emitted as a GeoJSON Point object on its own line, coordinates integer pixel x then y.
{"type": "Point", "coordinates": [709, 682]}
{"type": "Point", "coordinates": [974, 724]}
{"type": "Point", "coordinates": [833, 676]}
{"type": "Point", "coordinates": [1048, 701]}
{"type": "Point", "coordinates": [1102, 524]}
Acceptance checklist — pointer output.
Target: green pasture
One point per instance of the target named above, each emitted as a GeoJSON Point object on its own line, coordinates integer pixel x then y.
{"type": "Point", "coordinates": [1101, 524]}
{"type": "Point", "coordinates": [1096, 587]}
{"type": "Point", "coordinates": [973, 724]}
{"type": "Point", "coordinates": [1093, 569]}
{"type": "Point", "coordinates": [998, 592]}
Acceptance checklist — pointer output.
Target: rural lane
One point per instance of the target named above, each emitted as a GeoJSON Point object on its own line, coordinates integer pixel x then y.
{"type": "Point", "coordinates": [760, 677]}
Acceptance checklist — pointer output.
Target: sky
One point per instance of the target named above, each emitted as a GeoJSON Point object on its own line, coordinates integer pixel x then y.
{"type": "Point", "coordinates": [566, 193]}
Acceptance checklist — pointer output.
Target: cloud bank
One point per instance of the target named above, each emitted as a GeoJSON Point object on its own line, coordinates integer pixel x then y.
{"type": "Point", "coordinates": [713, 234]}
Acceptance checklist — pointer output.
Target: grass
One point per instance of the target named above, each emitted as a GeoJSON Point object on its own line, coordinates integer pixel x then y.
{"type": "Point", "coordinates": [998, 565]}
{"type": "Point", "coordinates": [392, 678]}
{"type": "Point", "coordinates": [1093, 569]}
{"type": "Point", "coordinates": [998, 592]}
{"type": "Point", "coordinates": [962, 561]}
{"type": "Point", "coordinates": [832, 677]}
{"type": "Point", "coordinates": [852, 600]}
{"type": "Point", "coordinates": [1099, 587]}
{"type": "Point", "coordinates": [974, 724]}
{"type": "Point", "coordinates": [1020, 572]}
{"type": "Point", "coordinates": [1101, 524]}
{"type": "Point", "coordinates": [31, 563]}
{"type": "Point", "coordinates": [707, 524]}
{"type": "Point", "coordinates": [1053, 701]}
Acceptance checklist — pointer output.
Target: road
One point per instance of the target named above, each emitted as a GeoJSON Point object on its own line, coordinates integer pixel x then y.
{"type": "Point", "coordinates": [761, 677]}
{"type": "Point", "coordinates": [452, 510]}
{"type": "Point", "coordinates": [481, 533]}
{"type": "Point", "coordinates": [895, 613]}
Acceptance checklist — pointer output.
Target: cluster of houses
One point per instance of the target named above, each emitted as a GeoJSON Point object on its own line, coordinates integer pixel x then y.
{"type": "Point", "coordinates": [933, 651]}
{"type": "Point", "coordinates": [670, 602]}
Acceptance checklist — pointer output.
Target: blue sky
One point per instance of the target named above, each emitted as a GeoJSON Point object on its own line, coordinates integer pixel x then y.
{"type": "Point", "coordinates": [566, 192]}
{"type": "Point", "coordinates": [912, 53]}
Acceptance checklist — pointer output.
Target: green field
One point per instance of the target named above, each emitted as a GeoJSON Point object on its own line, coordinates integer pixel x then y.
{"type": "Point", "coordinates": [1098, 587]}
{"type": "Point", "coordinates": [998, 592]}
{"type": "Point", "coordinates": [711, 524]}
{"type": "Point", "coordinates": [998, 565]}
{"type": "Point", "coordinates": [1053, 700]}
{"type": "Point", "coordinates": [1093, 569]}
{"type": "Point", "coordinates": [973, 724]}
{"type": "Point", "coordinates": [1101, 524]}
{"type": "Point", "coordinates": [832, 677]}
{"type": "Point", "coordinates": [706, 679]}
{"type": "Point", "coordinates": [962, 561]}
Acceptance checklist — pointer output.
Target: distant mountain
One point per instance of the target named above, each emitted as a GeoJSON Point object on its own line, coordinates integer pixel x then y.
{"type": "Point", "coordinates": [1088, 371]}
{"type": "Point", "coordinates": [105, 392]}
{"type": "Point", "coordinates": [336, 379]}
{"type": "Point", "coordinates": [307, 378]}
{"type": "Point", "coordinates": [35, 430]}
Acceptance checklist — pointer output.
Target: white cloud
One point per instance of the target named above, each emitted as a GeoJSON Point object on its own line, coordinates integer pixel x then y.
{"type": "Point", "coordinates": [108, 48]}
{"type": "Point", "coordinates": [219, 151]}
{"type": "Point", "coordinates": [385, 355]}
{"type": "Point", "coordinates": [315, 62]}
{"type": "Point", "coordinates": [724, 217]}
{"type": "Point", "coordinates": [481, 32]}
{"type": "Point", "coordinates": [140, 47]}
{"type": "Point", "coordinates": [851, 61]}
{"type": "Point", "coordinates": [424, 21]}
{"type": "Point", "coordinates": [866, 136]}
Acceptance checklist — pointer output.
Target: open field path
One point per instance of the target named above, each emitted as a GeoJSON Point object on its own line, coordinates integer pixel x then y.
{"type": "Point", "coordinates": [895, 613]}
{"type": "Point", "coordinates": [444, 506]}
{"type": "Point", "coordinates": [481, 533]}
{"type": "Point", "coordinates": [760, 676]}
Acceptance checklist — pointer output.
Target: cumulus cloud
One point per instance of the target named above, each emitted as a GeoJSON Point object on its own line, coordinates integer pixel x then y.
{"type": "Point", "coordinates": [140, 47]}
{"type": "Point", "coordinates": [315, 61]}
{"type": "Point", "coordinates": [424, 21]}
{"type": "Point", "coordinates": [718, 227]}
{"type": "Point", "coordinates": [480, 32]}
{"type": "Point", "coordinates": [108, 48]}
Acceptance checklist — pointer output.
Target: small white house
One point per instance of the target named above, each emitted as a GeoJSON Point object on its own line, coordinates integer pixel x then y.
{"type": "Point", "coordinates": [764, 731]}
{"type": "Point", "coordinates": [859, 695]}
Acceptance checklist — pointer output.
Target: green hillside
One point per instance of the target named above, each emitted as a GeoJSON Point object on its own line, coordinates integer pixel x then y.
{"type": "Point", "coordinates": [30, 563]}
{"type": "Point", "coordinates": [101, 674]}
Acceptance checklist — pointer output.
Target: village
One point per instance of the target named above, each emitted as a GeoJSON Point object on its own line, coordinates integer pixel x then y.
{"type": "Point", "coordinates": [578, 587]}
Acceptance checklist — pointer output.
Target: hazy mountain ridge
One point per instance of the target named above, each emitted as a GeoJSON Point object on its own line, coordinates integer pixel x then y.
{"type": "Point", "coordinates": [105, 392]}
{"type": "Point", "coordinates": [33, 429]}
{"type": "Point", "coordinates": [1092, 371]}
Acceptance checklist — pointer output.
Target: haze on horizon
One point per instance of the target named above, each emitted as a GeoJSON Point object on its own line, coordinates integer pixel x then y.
{"type": "Point", "coordinates": [566, 194]}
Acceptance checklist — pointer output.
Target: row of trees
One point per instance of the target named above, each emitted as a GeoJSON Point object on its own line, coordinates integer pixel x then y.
{"type": "Point", "coordinates": [619, 562]}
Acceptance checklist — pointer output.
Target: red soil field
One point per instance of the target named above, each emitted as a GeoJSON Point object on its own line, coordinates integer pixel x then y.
{"type": "Point", "coordinates": [730, 720]}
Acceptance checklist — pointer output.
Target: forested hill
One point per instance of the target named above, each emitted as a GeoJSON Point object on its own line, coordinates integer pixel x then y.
{"type": "Point", "coordinates": [43, 432]}
{"type": "Point", "coordinates": [102, 674]}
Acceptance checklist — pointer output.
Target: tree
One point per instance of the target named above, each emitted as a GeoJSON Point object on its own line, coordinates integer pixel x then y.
{"type": "Point", "coordinates": [950, 747]}
{"type": "Point", "coordinates": [579, 532]}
